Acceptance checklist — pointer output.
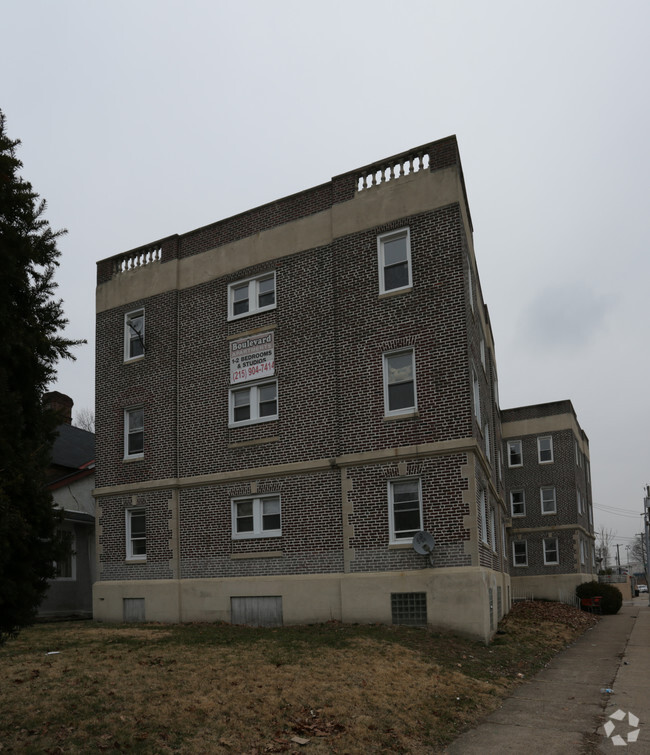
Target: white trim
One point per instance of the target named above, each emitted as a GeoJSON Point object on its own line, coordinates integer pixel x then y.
{"type": "Point", "coordinates": [254, 403]}
{"type": "Point", "coordinates": [381, 241]}
{"type": "Point", "coordinates": [476, 396]}
{"type": "Point", "coordinates": [541, 499]}
{"type": "Point", "coordinates": [253, 292]}
{"type": "Point", "coordinates": [483, 516]}
{"type": "Point", "coordinates": [393, 537]}
{"type": "Point", "coordinates": [388, 412]}
{"type": "Point", "coordinates": [257, 505]}
{"type": "Point", "coordinates": [130, 555]}
{"type": "Point", "coordinates": [519, 503]}
{"type": "Point", "coordinates": [513, 444]}
{"type": "Point", "coordinates": [514, 557]}
{"type": "Point", "coordinates": [127, 432]}
{"type": "Point", "coordinates": [129, 335]}
{"type": "Point", "coordinates": [557, 551]}
{"type": "Point", "coordinates": [539, 449]}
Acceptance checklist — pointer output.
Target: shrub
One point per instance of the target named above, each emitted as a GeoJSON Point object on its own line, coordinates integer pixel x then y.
{"type": "Point", "coordinates": [612, 599]}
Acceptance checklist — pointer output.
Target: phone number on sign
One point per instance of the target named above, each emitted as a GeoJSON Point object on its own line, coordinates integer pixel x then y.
{"type": "Point", "coordinates": [258, 369]}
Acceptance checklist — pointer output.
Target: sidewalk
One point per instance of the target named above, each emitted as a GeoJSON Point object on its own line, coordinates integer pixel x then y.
{"type": "Point", "coordinates": [561, 710]}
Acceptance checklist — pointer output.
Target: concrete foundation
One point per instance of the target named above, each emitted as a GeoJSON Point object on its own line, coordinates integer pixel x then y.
{"type": "Point", "coordinates": [468, 600]}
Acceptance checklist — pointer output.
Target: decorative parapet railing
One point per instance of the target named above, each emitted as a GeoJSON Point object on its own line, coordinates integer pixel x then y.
{"type": "Point", "coordinates": [393, 168]}
{"type": "Point", "coordinates": [150, 254]}
{"type": "Point", "coordinates": [136, 258]}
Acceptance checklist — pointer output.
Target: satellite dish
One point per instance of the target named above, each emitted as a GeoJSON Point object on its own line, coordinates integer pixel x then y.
{"type": "Point", "coordinates": [423, 543]}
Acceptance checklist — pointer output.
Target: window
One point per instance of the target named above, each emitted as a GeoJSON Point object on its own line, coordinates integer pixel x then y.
{"type": "Point", "coordinates": [255, 403]}
{"type": "Point", "coordinates": [399, 382]}
{"type": "Point", "coordinates": [579, 497]}
{"type": "Point", "coordinates": [256, 517]}
{"type": "Point", "coordinates": [547, 496]}
{"type": "Point", "coordinates": [517, 503]}
{"type": "Point", "coordinates": [134, 335]}
{"type": "Point", "coordinates": [499, 464]}
{"type": "Point", "coordinates": [482, 350]}
{"type": "Point", "coordinates": [136, 534]}
{"type": "Point", "coordinates": [477, 397]}
{"type": "Point", "coordinates": [550, 551]}
{"type": "Point", "coordinates": [394, 260]}
{"type": "Point", "coordinates": [134, 433]}
{"type": "Point", "coordinates": [483, 515]}
{"type": "Point", "coordinates": [486, 434]}
{"type": "Point", "coordinates": [252, 295]}
{"type": "Point", "coordinates": [515, 455]}
{"type": "Point", "coordinates": [520, 553]}
{"type": "Point", "coordinates": [545, 449]}
{"type": "Point", "coordinates": [66, 567]}
{"type": "Point", "coordinates": [405, 502]}
{"type": "Point", "coordinates": [493, 531]}
{"type": "Point", "coordinates": [582, 552]}
{"type": "Point", "coordinates": [470, 285]}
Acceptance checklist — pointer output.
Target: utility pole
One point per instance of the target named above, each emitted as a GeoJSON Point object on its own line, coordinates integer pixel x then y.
{"type": "Point", "coordinates": [618, 557]}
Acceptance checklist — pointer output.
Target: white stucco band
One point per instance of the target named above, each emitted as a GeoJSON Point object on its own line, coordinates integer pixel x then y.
{"type": "Point", "coordinates": [462, 599]}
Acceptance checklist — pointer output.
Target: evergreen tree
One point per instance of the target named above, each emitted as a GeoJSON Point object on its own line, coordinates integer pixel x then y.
{"type": "Point", "coordinates": [30, 346]}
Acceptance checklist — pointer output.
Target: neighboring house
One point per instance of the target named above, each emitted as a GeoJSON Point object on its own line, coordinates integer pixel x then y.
{"type": "Point", "coordinates": [285, 398]}
{"type": "Point", "coordinates": [548, 480]}
{"type": "Point", "coordinates": [71, 480]}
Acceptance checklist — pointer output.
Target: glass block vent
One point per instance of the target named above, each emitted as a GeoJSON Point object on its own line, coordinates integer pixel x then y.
{"type": "Point", "coordinates": [409, 608]}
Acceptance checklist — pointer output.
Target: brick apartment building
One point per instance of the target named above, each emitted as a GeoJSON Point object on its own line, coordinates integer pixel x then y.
{"type": "Point", "coordinates": [548, 480]}
{"type": "Point", "coordinates": [286, 396]}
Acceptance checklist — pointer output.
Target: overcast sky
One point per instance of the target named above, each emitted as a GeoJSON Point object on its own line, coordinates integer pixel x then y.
{"type": "Point", "coordinates": [144, 118]}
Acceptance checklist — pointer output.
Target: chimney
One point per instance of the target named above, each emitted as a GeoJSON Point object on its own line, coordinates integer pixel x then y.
{"type": "Point", "coordinates": [61, 404]}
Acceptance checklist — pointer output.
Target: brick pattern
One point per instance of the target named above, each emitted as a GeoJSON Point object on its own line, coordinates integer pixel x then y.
{"type": "Point", "coordinates": [112, 523]}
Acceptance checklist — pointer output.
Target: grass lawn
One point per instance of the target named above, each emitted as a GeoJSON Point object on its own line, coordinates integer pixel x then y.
{"type": "Point", "coordinates": [214, 688]}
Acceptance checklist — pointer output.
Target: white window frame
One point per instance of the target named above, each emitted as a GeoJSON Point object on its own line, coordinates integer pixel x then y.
{"type": "Point", "coordinates": [258, 530]}
{"type": "Point", "coordinates": [486, 433]}
{"type": "Point", "coordinates": [556, 549]}
{"type": "Point", "coordinates": [255, 417]}
{"type": "Point", "coordinates": [483, 516]}
{"type": "Point", "coordinates": [388, 412]}
{"type": "Point", "coordinates": [583, 554]}
{"type": "Point", "coordinates": [514, 553]}
{"type": "Point", "coordinates": [133, 336]}
{"type": "Point", "coordinates": [493, 531]}
{"type": "Point", "coordinates": [476, 396]}
{"type": "Point", "coordinates": [540, 450]}
{"type": "Point", "coordinates": [381, 241]}
{"type": "Point", "coordinates": [579, 499]}
{"type": "Point", "coordinates": [542, 501]}
{"type": "Point", "coordinates": [499, 465]}
{"type": "Point", "coordinates": [68, 533]}
{"type": "Point", "coordinates": [482, 352]}
{"type": "Point", "coordinates": [394, 537]}
{"type": "Point", "coordinates": [130, 539]}
{"type": "Point", "coordinates": [521, 503]}
{"type": "Point", "coordinates": [470, 284]}
{"type": "Point", "coordinates": [512, 444]}
{"type": "Point", "coordinates": [253, 284]}
{"type": "Point", "coordinates": [128, 432]}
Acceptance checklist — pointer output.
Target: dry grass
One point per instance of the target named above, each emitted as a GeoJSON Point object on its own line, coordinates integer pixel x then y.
{"type": "Point", "coordinates": [329, 688]}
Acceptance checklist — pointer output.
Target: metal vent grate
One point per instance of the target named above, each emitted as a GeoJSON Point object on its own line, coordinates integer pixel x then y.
{"type": "Point", "coordinates": [409, 608]}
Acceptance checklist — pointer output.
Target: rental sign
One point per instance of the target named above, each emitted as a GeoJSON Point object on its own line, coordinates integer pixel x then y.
{"type": "Point", "coordinates": [252, 358]}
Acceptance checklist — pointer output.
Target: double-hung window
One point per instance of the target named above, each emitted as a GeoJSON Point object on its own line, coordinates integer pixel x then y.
{"type": "Point", "coordinates": [483, 514]}
{"type": "Point", "coordinates": [517, 503]}
{"type": "Point", "coordinates": [476, 395]}
{"type": "Point", "coordinates": [551, 555]}
{"type": "Point", "coordinates": [253, 403]}
{"type": "Point", "coordinates": [134, 335]}
{"type": "Point", "coordinates": [405, 503]}
{"type": "Point", "coordinates": [547, 497]}
{"type": "Point", "coordinates": [251, 295]}
{"type": "Point", "coordinates": [394, 251]}
{"type": "Point", "coordinates": [545, 449]}
{"type": "Point", "coordinates": [133, 433]}
{"type": "Point", "coordinates": [493, 530]}
{"type": "Point", "coordinates": [515, 454]}
{"type": "Point", "coordinates": [520, 553]}
{"type": "Point", "coordinates": [256, 517]}
{"type": "Point", "coordinates": [399, 382]}
{"type": "Point", "coordinates": [136, 534]}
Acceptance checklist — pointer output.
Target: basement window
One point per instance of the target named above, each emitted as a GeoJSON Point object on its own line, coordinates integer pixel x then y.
{"type": "Point", "coordinates": [409, 608]}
